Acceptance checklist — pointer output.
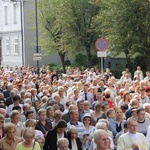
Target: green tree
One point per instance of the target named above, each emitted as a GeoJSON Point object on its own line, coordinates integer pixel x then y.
{"type": "Point", "coordinates": [52, 29]}
{"type": "Point", "coordinates": [126, 26]}
{"type": "Point", "coordinates": [67, 27]}
{"type": "Point", "coordinates": [80, 14]}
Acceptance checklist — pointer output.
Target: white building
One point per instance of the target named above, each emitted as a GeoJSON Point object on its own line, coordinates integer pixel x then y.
{"type": "Point", "coordinates": [10, 33]}
{"type": "Point", "coordinates": [17, 39]}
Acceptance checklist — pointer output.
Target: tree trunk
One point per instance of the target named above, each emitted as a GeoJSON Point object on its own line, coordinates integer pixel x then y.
{"type": "Point", "coordinates": [62, 58]}
{"type": "Point", "coordinates": [129, 61]}
{"type": "Point", "coordinates": [89, 57]}
{"type": "Point", "coordinates": [129, 64]}
{"type": "Point", "coordinates": [147, 62]}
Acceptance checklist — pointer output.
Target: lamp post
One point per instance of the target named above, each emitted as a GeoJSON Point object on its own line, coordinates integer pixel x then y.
{"type": "Point", "coordinates": [37, 42]}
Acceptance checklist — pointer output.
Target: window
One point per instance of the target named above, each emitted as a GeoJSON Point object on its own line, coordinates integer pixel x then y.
{"type": "Point", "coordinates": [6, 15]}
{"type": "Point", "coordinates": [16, 44]}
{"type": "Point", "coordinates": [7, 46]}
{"type": "Point", "coordinates": [14, 13]}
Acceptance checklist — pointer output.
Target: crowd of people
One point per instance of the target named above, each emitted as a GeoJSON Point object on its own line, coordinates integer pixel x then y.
{"type": "Point", "coordinates": [83, 109]}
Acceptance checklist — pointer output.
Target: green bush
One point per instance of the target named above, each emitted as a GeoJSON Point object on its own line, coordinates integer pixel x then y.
{"type": "Point", "coordinates": [80, 60]}
{"type": "Point", "coordinates": [67, 63]}
{"type": "Point", "coordinates": [117, 72]}
{"type": "Point", "coordinates": [139, 61]}
{"type": "Point", "coordinates": [94, 60]}
{"type": "Point", "coordinates": [53, 66]}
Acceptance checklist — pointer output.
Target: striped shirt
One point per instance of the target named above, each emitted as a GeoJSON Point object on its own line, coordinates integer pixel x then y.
{"type": "Point", "coordinates": [80, 127]}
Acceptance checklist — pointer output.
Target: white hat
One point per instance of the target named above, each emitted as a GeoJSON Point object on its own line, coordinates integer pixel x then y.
{"type": "Point", "coordinates": [87, 115]}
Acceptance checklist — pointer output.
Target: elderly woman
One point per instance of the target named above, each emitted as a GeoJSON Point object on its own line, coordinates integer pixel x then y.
{"type": "Point", "coordinates": [74, 141]}
{"type": "Point", "coordinates": [43, 124]}
{"type": "Point", "coordinates": [57, 116]}
{"type": "Point", "coordinates": [28, 142]}
{"type": "Point", "coordinates": [15, 117]}
{"type": "Point", "coordinates": [89, 130]}
{"type": "Point", "coordinates": [59, 131]}
{"type": "Point", "coordinates": [40, 140]}
{"type": "Point", "coordinates": [31, 124]}
{"type": "Point", "coordinates": [96, 113]}
{"type": "Point", "coordinates": [50, 113]}
{"type": "Point", "coordinates": [10, 140]}
{"type": "Point", "coordinates": [1, 126]}
{"type": "Point", "coordinates": [62, 144]}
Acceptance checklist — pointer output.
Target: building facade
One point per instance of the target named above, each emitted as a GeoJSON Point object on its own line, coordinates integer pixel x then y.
{"type": "Point", "coordinates": [10, 33]}
{"type": "Point", "coordinates": [18, 34]}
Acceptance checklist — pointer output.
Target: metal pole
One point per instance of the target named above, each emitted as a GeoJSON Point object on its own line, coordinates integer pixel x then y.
{"type": "Point", "coordinates": [37, 44]}
{"type": "Point", "coordinates": [22, 32]}
{"type": "Point", "coordinates": [102, 71]}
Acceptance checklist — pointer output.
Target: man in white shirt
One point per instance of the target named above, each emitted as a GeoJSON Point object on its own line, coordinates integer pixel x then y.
{"type": "Point", "coordinates": [132, 139]}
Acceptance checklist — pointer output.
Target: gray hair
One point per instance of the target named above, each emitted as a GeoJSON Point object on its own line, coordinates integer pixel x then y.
{"type": "Point", "coordinates": [104, 120]}
{"type": "Point", "coordinates": [27, 94]}
{"type": "Point", "coordinates": [14, 113]}
{"type": "Point", "coordinates": [25, 105]}
{"type": "Point", "coordinates": [145, 105]}
{"type": "Point", "coordinates": [62, 141]}
{"type": "Point", "coordinates": [9, 85]}
{"type": "Point", "coordinates": [13, 92]}
{"type": "Point", "coordinates": [44, 98]}
{"type": "Point", "coordinates": [100, 125]}
{"type": "Point", "coordinates": [98, 133]}
{"type": "Point", "coordinates": [27, 100]}
{"type": "Point", "coordinates": [22, 92]}
{"type": "Point", "coordinates": [73, 128]}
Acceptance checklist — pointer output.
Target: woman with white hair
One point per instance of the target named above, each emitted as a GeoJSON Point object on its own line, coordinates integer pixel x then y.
{"type": "Point", "coordinates": [29, 142]}
{"type": "Point", "coordinates": [62, 144]}
{"type": "Point", "coordinates": [74, 141]}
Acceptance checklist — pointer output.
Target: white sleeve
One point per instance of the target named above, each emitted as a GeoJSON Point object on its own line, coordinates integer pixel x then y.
{"type": "Point", "coordinates": [148, 133]}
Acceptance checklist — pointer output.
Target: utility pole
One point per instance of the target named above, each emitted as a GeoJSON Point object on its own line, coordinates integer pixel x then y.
{"type": "Point", "coordinates": [37, 42]}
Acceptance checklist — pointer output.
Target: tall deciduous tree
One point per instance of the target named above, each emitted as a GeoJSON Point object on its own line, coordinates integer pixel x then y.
{"type": "Point", "coordinates": [80, 15]}
{"type": "Point", "coordinates": [51, 28]}
{"type": "Point", "coordinates": [67, 26]}
{"type": "Point", "coordinates": [127, 27]}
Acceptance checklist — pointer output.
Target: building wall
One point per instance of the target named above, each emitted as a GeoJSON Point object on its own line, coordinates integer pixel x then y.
{"type": "Point", "coordinates": [113, 63]}
{"type": "Point", "coordinates": [10, 29]}
{"type": "Point", "coordinates": [30, 37]}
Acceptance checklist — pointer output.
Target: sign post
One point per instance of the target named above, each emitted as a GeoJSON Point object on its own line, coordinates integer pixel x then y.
{"type": "Point", "coordinates": [101, 45]}
{"type": "Point", "coordinates": [37, 56]}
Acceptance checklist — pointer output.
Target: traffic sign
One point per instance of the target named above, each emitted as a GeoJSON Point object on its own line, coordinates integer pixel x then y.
{"type": "Point", "coordinates": [37, 54]}
{"type": "Point", "coordinates": [101, 54]}
{"type": "Point", "coordinates": [101, 44]}
{"type": "Point", "coordinates": [37, 58]}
